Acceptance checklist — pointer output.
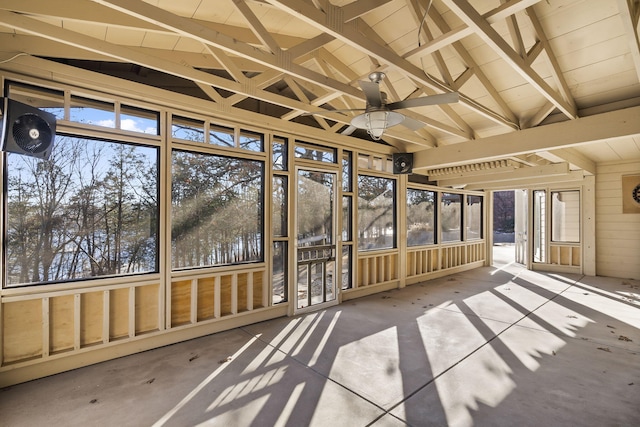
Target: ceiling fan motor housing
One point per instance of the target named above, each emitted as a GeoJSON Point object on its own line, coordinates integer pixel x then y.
{"type": "Point", "coordinates": [27, 130]}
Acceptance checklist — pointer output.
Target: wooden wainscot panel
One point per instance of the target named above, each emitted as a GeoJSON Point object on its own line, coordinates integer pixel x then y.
{"type": "Point", "coordinates": [226, 295]}
{"type": "Point", "coordinates": [206, 298]}
{"type": "Point", "coordinates": [258, 289]}
{"type": "Point", "coordinates": [393, 267]}
{"type": "Point", "coordinates": [22, 330]}
{"type": "Point", "coordinates": [435, 259]}
{"type": "Point", "coordinates": [575, 256]}
{"type": "Point", "coordinates": [119, 313]}
{"type": "Point", "coordinates": [180, 303]}
{"type": "Point", "coordinates": [61, 324]}
{"type": "Point", "coordinates": [363, 272]}
{"type": "Point", "coordinates": [147, 309]}
{"type": "Point", "coordinates": [565, 255]}
{"type": "Point", "coordinates": [243, 283]}
{"type": "Point", "coordinates": [91, 318]}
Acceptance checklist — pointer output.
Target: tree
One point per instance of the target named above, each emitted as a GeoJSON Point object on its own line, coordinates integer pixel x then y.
{"type": "Point", "coordinates": [84, 212]}
{"type": "Point", "coordinates": [503, 211]}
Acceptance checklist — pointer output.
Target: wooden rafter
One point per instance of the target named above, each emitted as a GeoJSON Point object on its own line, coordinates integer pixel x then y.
{"type": "Point", "coordinates": [255, 84]}
{"type": "Point", "coordinates": [188, 28]}
{"type": "Point", "coordinates": [361, 7]}
{"type": "Point", "coordinates": [227, 63]}
{"type": "Point", "coordinates": [514, 32]}
{"type": "Point", "coordinates": [556, 72]}
{"type": "Point", "coordinates": [417, 14]}
{"type": "Point", "coordinates": [280, 61]}
{"type": "Point", "coordinates": [473, 66]}
{"type": "Point", "coordinates": [256, 26]}
{"type": "Point", "coordinates": [349, 33]}
{"type": "Point", "coordinates": [484, 30]}
{"type": "Point", "coordinates": [458, 33]}
{"type": "Point", "coordinates": [120, 53]}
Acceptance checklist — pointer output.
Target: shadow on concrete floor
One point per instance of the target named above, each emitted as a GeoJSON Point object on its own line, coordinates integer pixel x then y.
{"type": "Point", "coordinates": [487, 347]}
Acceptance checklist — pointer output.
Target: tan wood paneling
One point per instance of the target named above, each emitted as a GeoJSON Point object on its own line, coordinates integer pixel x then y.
{"type": "Point", "coordinates": [147, 309]}
{"type": "Point", "coordinates": [225, 295]}
{"type": "Point", "coordinates": [258, 290]}
{"type": "Point", "coordinates": [61, 323]}
{"type": "Point", "coordinates": [180, 303]}
{"type": "Point", "coordinates": [206, 299]}
{"type": "Point", "coordinates": [118, 313]}
{"type": "Point", "coordinates": [91, 318]}
{"type": "Point", "coordinates": [22, 330]}
{"type": "Point", "coordinates": [243, 282]}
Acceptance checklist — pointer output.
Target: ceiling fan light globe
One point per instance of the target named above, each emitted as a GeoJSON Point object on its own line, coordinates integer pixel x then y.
{"type": "Point", "coordinates": [376, 122]}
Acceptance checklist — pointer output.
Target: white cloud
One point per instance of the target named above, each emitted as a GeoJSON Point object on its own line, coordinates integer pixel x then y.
{"type": "Point", "coordinates": [129, 124]}
{"type": "Point", "coordinates": [106, 123]}
{"type": "Point", "coordinates": [132, 125]}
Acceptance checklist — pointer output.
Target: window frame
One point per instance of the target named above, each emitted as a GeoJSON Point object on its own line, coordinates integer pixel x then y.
{"type": "Point", "coordinates": [156, 235]}
{"type": "Point", "coordinates": [394, 213]}
{"type": "Point", "coordinates": [434, 239]}
{"type": "Point", "coordinates": [262, 229]}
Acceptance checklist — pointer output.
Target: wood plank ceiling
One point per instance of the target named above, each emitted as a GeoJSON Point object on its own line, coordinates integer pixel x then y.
{"type": "Point", "coordinates": [518, 65]}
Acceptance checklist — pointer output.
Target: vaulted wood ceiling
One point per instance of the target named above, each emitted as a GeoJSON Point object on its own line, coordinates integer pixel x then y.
{"type": "Point", "coordinates": [532, 75]}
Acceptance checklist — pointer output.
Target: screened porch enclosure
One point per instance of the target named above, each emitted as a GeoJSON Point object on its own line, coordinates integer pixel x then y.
{"type": "Point", "coordinates": [151, 225]}
{"type": "Point", "coordinates": [139, 234]}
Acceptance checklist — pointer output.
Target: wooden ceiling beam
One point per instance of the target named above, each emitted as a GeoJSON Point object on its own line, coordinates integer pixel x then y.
{"type": "Point", "coordinates": [514, 32]}
{"type": "Point", "coordinates": [359, 8]}
{"type": "Point", "coordinates": [211, 92]}
{"type": "Point", "coordinates": [573, 157]}
{"type": "Point", "coordinates": [476, 69]}
{"type": "Point", "coordinates": [556, 72]}
{"type": "Point", "coordinates": [536, 181]}
{"type": "Point", "coordinates": [256, 26]}
{"type": "Point", "coordinates": [227, 63]}
{"type": "Point", "coordinates": [188, 28]}
{"type": "Point", "coordinates": [249, 89]}
{"type": "Point", "coordinates": [308, 46]}
{"type": "Point", "coordinates": [547, 171]}
{"type": "Point", "coordinates": [417, 14]}
{"type": "Point", "coordinates": [331, 21]}
{"type": "Point", "coordinates": [87, 11]}
{"type": "Point", "coordinates": [542, 113]}
{"type": "Point", "coordinates": [450, 36]}
{"type": "Point", "coordinates": [601, 127]}
{"type": "Point", "coordinates": [485, 31]}
{"type": "Point", "coordinates": [255, 85]}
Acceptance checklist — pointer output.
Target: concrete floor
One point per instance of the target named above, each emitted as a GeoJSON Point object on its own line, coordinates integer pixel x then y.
{"type": "Point", "coordinates": [499, 346]}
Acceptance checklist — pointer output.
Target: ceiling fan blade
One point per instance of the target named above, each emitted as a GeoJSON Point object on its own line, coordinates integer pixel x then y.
{"type": "Point", "coordinates": [349, 130]}
{"type": "Point", "coordinates": [445, 98]}
{"type": "Point", "coordinates": [412, 124]}
{"type": "Point", "coordinates": [372, 92]}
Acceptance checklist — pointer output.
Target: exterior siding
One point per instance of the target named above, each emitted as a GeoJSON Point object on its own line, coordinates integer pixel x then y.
{"type": "Point", "coordinates": [617, 234]}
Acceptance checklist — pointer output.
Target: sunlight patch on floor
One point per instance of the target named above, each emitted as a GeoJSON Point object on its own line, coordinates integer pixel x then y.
{"type": "Point", "coordinates": [203, 384]}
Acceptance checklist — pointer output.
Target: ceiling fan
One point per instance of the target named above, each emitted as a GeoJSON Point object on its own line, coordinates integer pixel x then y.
{"type": "Point", "coordinates": [378, 115]}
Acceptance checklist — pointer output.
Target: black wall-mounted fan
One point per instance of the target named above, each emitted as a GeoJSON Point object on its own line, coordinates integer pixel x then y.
{"type": "Point", "coordinates": [27, 130]}
{"type": "Point", "coordinates": [402, 163]}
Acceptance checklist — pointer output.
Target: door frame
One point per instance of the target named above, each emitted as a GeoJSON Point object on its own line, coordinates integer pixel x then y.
{"type": "Point", "coordinates": [337, 271]}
